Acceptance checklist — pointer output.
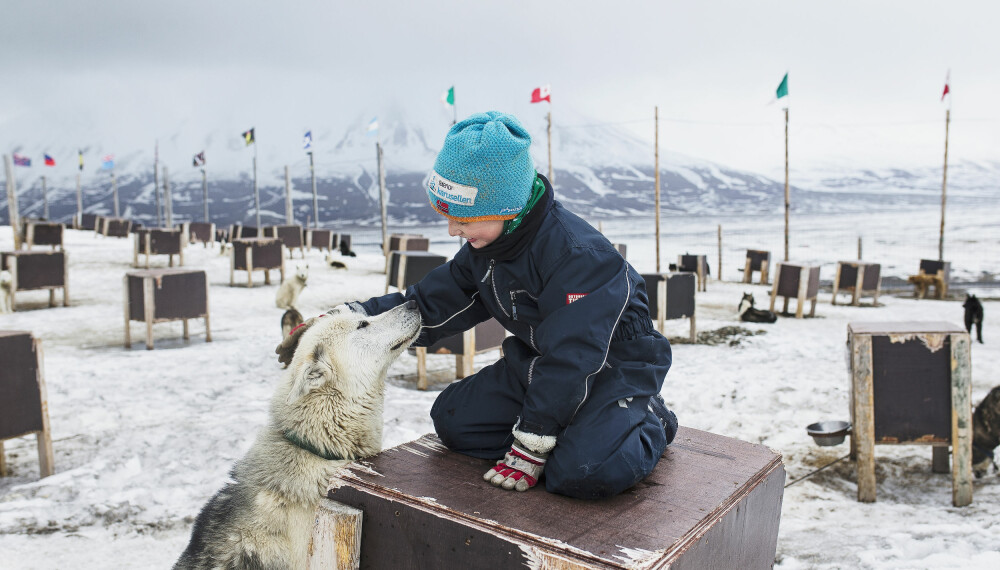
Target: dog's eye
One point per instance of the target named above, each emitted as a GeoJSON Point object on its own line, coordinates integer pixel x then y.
{"type": "Point", "coordinates": [362, 324]}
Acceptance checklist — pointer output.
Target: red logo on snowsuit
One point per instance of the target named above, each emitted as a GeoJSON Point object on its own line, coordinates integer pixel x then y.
{"type": "Point", "coordinates": [443, 206]}
{"type": "Point", "coordinates": [570, 297]}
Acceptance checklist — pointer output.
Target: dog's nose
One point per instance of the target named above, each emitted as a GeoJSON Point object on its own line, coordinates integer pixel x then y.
{"type": "Point", "coordinates": [411, 304]}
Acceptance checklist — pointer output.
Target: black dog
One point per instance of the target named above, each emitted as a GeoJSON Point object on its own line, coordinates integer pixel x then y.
{"type": "Point", "coordinates": [345, 250]}
{"type": "Point", "coordinates": [751, 315]}
{"type": "Point", "coordinates": [985, 432]}
{"type": "Point", "coordinates": [974, 316]}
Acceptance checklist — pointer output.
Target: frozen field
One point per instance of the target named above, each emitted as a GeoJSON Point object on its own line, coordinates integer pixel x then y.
{"type": "Point", "coordinates": [143, 438]}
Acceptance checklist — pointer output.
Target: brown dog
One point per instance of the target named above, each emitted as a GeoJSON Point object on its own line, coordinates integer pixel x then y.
{"type": "Point", "coordinates": [922, 281]}
{"type": "Point", "coordinates": [986, 432]}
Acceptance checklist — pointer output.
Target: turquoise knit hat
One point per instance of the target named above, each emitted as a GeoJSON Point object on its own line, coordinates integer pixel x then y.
{"type": "Point", "coordinates": [484, 171]}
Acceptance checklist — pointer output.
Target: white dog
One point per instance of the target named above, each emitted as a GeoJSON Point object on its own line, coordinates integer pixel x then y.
{"type": "Point", "coordinates": [326, 412]}
{"type": "Point", "coordinates": [6, 291]}
{"type": "Point", "coordinates": [288, 292]}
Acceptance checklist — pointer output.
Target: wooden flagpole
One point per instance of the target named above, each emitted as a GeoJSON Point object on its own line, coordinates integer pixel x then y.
{"type": "Point", "coordinates": [45, 199]}
{"type": "Point", "coordinates": [382, 197]}
{"type": "Point", "coordinates": [944, 183]}
{"type": "Point", "coordinates": [656, 154]}
{"type": "Point", "coordinates": [787, 207]}
{"type": "Point", "coordinates": [168, 202]}
{"type": "Point", "coordinates": [289, 215]}
{"type": "Point", "coordinates": [204, 193]}
{"type": "Point", "coordinates": [312, 174]}
{"type": "Point", "coordinates": [156, 183]}
{"type": "Point", "coordinates": [15, 218]}
{"type": "Point", "coordinates": [114, 192]}
{"type": "Point", "coordinates": [79, 201]}
{"type": "Point", "coordinates": [256, 192]}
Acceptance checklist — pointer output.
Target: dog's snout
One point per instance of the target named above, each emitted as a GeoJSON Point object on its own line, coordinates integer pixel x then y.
{"type": "Point", "coordinates": [411, 304]}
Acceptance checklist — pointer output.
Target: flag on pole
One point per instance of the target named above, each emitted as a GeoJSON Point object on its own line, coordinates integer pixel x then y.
{"type": "Point", "coordinates": [307, 141]}
{"type": "Point", "coordinates": [541, 94]}
{"type": "Point", "coordinates": [49, 161]}
{"type": "Point", "coordinates": [448, 97]}
{"type": "Point", "coordinates": [108, 162]}
{"type": "Point", "coordinates": [947, 80]}
{"type": "Point", "coordinates": [373, 125]}
{"type": "Point", "coordinates": [248, 137]}
{"type": "Point", "coordinates": [80, 154]}
{"type": "Point", "coordinates": [199, 159]}
{"type": "Point", "coordinates": [783, 87]}
{"type": "Point", "coordinates": [21, 160]}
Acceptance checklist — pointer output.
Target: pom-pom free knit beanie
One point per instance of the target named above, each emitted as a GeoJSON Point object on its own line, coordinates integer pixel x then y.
{"type": "Point", "coordinates": [484, 171]}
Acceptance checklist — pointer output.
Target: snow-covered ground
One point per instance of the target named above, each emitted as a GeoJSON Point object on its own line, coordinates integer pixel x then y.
{"type": "Point", "coordinates": [142, 438]}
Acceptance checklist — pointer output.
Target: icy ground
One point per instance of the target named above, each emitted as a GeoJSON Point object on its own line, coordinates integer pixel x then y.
{"type": "Point", "coordinates": [142, 438]}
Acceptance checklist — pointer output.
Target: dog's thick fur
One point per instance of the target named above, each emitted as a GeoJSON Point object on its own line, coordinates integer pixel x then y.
{"type": "Point", "coordinates": [6, 291]}
{"type": "Point", "coordinates": [289, 320]}
{"type": "Point", "coordinates": [749, 314]}
{"type": "Point", "coordinates": [334, 263]}
{"type": "Point", "coordinates": [974, 316]}
{"type": "Point", "coordinates": [346, 251]}
{"type": "Point", "coordinates": [922, 281]}
{"type": "Point", "coordinates": [985, 432]}
{"type": "Point", "coordinates": [330, 398]}
{"type": "Point", "coordinates": [288, 292]}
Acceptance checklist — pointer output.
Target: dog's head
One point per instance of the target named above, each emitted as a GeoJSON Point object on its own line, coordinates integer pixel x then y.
{"type": "Point", "coordinates": [745, 303]}
{"type": "Point", "coordinates": [342, 348]}
{"type": "Point", "coordinates": [302, 273]}
{"type": "Point", "coordinates": [971, 302]}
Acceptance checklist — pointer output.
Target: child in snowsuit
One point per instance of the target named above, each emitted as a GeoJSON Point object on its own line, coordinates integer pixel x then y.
{"type": "Point", "coordinates": [576, 394]}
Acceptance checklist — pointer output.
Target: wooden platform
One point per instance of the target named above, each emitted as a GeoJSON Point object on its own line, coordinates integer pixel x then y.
{"type": "Point", "coordinates": [711, 502]}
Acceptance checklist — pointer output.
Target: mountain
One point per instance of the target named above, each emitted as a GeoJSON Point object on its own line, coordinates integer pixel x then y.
{"type": "Point", "coordinates": [600, 171]}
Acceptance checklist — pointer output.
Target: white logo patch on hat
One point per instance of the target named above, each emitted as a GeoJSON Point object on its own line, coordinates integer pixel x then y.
{"type": "Point", "coordinates": [449, 191]}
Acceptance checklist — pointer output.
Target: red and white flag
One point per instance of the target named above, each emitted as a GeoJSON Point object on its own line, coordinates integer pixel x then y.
{"type": "Point", "coordinates": [541, 94]}
{"type": "Point", "coordinates": [947, 80]}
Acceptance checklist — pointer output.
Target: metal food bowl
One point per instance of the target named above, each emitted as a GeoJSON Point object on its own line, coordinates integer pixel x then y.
{"type": "Point", "coordinates": [829, 433]}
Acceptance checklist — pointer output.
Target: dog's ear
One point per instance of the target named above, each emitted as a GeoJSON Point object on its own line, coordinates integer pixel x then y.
{"type": "Point", "coordinates": [286, 349]}
{"type": "Point", "coordinates": [308, 379]}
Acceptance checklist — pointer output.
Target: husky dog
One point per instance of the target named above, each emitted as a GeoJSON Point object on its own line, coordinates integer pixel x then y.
{"type": "Point", "coordinates": [334, 263]}
{"type": "Point", "coordinates": [751, 315]}
{"type": "Point", "coordinates": [985, 432]}
{"type": "Point", "coordinates": [289, 321]}
{"type": "Point", "coordinates": [345, 250]}
{"type": "Point", "coordinates": [6, 291]}
{"type": "Point", "coordinates": [288, 291]}
{"type": "Point", "coordinates": [974, 316]}
{"type": "Point", "coordinates": [326, 412]}
{"type": "Point", "coordinates": [225, 247]}
{"type": "Point", "coordinates": [922, 282]}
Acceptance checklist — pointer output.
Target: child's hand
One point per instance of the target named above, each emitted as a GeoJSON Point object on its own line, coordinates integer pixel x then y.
{"type": "Point", "coordinates": [518, 470]}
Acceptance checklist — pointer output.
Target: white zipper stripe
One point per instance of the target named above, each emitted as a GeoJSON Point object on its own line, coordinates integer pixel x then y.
{"type": "Point", "coordinates": [472, 302]}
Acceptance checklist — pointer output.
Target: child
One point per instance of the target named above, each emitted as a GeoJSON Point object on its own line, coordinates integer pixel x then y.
{"type": "Point", "coordinates": [576, 394]}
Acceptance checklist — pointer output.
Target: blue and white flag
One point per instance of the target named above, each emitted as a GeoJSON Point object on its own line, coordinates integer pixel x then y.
{"type": "Point", "coordinates": [108, 162]}
{"type": "Point", "coordinates": [373, 125]}
{"type": "Point", "coordinates": [307, 141]}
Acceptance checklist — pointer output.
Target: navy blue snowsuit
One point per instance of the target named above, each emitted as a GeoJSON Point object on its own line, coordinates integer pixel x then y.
{"type": "Point", "coordinates": [583, 363]}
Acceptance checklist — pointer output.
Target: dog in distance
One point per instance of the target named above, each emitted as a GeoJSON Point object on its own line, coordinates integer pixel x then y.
{"type": "Point", "coordinates": [288, 292]}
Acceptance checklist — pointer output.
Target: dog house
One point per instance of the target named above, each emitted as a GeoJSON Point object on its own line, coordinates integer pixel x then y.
{"type": "Point", "coordinates": [711, 502]}
{"type": "Point", "coordinates": [24, 408]}
{"type": "Point", "coordinates": [671, 296]}
{"type": "Point", "coordinates": [409, 267]}
{"type": "Point", "coordinates": [697, 264]}
{"type": "Point", "coordinates": [857, 278]}
{"type": "Point", "coordinates": [237, 231]}
{"type": "Point", "coordinates": [85, 221]}
{"type": "Point", "coordinates": [800, 282]}
{"type": "Point", "coordinates": [32, 270]}
{"type": "Point", "coordinates": [291, 237]}
{"type": "Point", "coordinates": [114, 227]}
{"type": "Point", "coordinates": [932, 272]}
{"type": "Point", "coordinates": [199, 232]}
{"type": "Point", "coordinates": [911, 383]}
{"type": "Point", "coordinates": [43, 233]}
{"type": "Point", "coordinates": [159, 241]}
{"type": "Point", "coordinates": [487, 335]}
{"type": "Point", "coordinates": [256, 254]}
{"type": "Point", "coordinates": [405, 242]}
{"type": "Point", "coordinates": [323, 240]}
{"type": "Point", "coordinates": [162, 295]}
{"type": "Point", "coordinates": [757, 260]}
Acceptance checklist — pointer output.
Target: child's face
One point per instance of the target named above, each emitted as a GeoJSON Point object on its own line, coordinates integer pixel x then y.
{"type": "Point", "coordinates": [478, 234]}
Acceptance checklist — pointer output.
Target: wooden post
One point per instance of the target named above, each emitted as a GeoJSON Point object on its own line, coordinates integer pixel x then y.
{"type": "Point", "coordinates": [289, 215]}
{"type": "Point", "coordinates": [45, 199]}
{"type": "Point", "coordinates": [15, 218]}
{"type": "Point", "coordinates": [944, 183]}
{"type": "Point", "coordinates": [156, 184]}
{"type": "Point", "coordinates": [79, 200]}
{"type": "Point", "coordinates": [786, 184]}
{"type": "Point", "coordinates": [656, 155]}
{"type": "Point", "coordinates": [114, 193]}
{"type": "Point", "coordinates": [863, 418]}
{"type": "Point", "coordinates": [859, 248]}
{"type": "Point", "coordinates": [168, 202]}
{"type": "Point", "coordinates": [718, 271]}
{"type": "Point", "coordinates": [382, 198]}
{"type": "Point", "coordinates": [336, 537]}
{"type": "Point", "coordinates": [204, 194]}
{"type": "Point", "coordinates": [312, 174]}
{"type": "Point", "coordinates": [961, 420]}
{"type": "Point", "coordinates": [549, 131]}
{"type": "Point", "coordinates": [256, 193]}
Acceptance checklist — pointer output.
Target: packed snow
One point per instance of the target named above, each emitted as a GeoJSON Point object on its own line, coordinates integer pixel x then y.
{"type": "Point", "coordinates": [143, 437]}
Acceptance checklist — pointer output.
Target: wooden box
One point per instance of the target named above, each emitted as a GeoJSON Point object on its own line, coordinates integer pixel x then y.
{"type": "Point", "coordinates": [290, 236]}
{"type": "Point", "coordinates": [23, 400]}
{"type": "Point", "coordinates": [256, 254]}
{"type": "Point", "coordinates": [671, 296]}
{"type": "Point", "coordinates": [32, 270]}
{"type": "Point", "coordinates": [697, 264]}
{"type": "Point", "coordinates": [487, 335]}
{"type": "Point", "coordinates": [85, 221]}
{"type": "Point", "coordinates": [321, 239]}
{"type": "Point", "coordinates": [800, 282]}
{"type": "Point", "coordinates": [406, 268]}
{"type": "Point", "coordinates": [940, 270]}
{"type": "Point", "coordinates": [203, 232]}
{"type": "Point", "coordinates": [757, 260]}
{"type": "Point", "coordinates": [711, 502]}
{"type": "Point", "coordinates": [114, 227]}
{"type": "Point", "coordinates": [911, 383]}
{"type": "Point", "coordinates": [43, 233]}
{"type": "Point", "coordinates": [236, 231]}
{"type": "Point", "coordinates": [858, 278]}
{"type": "Point", "coordinates": [159, 241]}
{"type": "Point", "coordinates": [161, 295]}
{"type": "Point", "coordinates": [405, 242]}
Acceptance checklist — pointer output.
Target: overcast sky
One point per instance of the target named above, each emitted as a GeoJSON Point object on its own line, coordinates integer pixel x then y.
{"type": "Point", "coordinates": [865, 78]}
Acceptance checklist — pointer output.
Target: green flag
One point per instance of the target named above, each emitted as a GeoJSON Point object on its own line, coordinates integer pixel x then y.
{"type": "Point", "coordinates": [783, 88]}
{"type": "Point", "coordinates": [448, 97]}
